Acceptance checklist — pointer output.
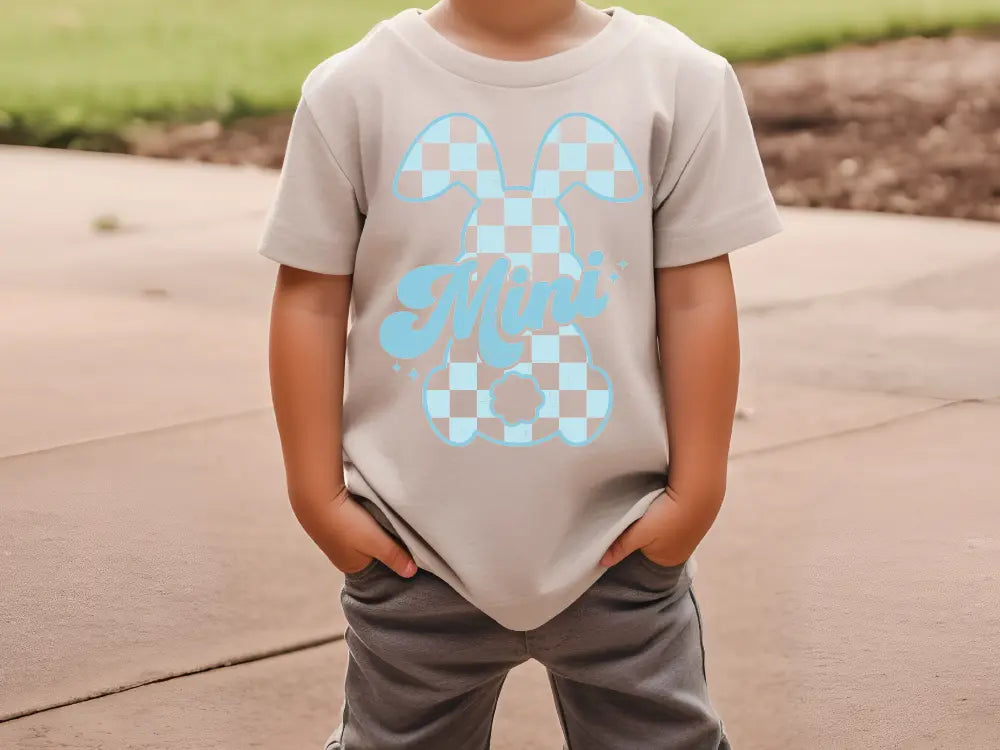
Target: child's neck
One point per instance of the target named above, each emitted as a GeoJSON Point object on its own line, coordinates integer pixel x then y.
{"type": "Point", "coordinates": [516, 29]}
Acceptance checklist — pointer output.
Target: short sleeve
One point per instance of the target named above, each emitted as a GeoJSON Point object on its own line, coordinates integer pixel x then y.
{"type": "Point", "coordinates": [713, 195]}
{"type": "Point", "coordinates": [314, 222]}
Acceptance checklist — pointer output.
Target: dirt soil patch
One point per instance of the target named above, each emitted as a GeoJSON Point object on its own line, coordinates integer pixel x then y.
{"type": "Point", "coordinates": [909, 126]}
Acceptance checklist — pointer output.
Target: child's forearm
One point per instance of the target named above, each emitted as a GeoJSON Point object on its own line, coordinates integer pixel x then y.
{"type": "Point", "coordinates": [307, 346]}
{"type": "Point", "coordinates": [700, 362]}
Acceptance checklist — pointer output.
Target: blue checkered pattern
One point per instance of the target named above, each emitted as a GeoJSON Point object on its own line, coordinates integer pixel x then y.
{"type": "Point", "coordinates": [452, 151]}
{"type": "Point", "coordinates": [531, 232]}
{"type": "Point", "coordinates": [583, 150]}
{"type": "Point", "coordinates": [555, 388]}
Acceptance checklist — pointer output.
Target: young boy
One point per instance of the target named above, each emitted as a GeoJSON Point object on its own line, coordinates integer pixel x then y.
{"type": "Point", "coordinates": [530, 206]}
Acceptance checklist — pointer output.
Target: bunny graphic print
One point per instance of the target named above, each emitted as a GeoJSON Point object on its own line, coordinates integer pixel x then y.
{"type": "Point", "coordinates": [517, 368]}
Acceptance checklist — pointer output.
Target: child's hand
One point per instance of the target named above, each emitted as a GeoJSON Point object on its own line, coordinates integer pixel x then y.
{"type": "Point", "coordinates": [667, 533]}
{"type": "Point", "coordinates": [350, 537]}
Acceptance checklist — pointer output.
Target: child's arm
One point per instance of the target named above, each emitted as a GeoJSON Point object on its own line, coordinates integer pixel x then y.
{"type": "Point", "coordinates": [307, 348]}
{"type": "Point", "coordinates": [699, 365]}
{"type": "Point", "coordinates": [711, 198]}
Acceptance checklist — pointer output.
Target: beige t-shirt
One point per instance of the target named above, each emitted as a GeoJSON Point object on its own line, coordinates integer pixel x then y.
{"type": "Point", "coordinates": [502, 220]}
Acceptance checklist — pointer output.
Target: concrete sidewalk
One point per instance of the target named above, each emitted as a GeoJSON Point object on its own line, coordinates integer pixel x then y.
{"type": "Point", "coordinates": [156, 592]}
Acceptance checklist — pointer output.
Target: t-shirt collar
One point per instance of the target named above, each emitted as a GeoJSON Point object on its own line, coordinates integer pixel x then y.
{"type": "Point", "coordinates": [614, 37]}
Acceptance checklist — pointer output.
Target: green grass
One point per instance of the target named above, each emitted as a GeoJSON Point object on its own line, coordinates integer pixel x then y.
{"type": "Point", "coordinates": [72, 68]}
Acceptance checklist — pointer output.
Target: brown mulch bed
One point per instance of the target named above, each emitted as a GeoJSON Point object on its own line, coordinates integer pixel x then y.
{"type": "Point", "coordinates": [909, 126]}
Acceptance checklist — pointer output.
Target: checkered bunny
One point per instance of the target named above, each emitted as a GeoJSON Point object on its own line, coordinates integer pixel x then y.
{"type": "Point", "coordinates": [554, 388]}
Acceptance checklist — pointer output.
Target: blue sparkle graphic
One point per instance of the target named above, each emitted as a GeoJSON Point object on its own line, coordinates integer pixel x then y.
{"type": "Point", "coordinates": [395, 367]}
{"type": "Point", "coordinates": [622, 264]}
{"type": "Point", "coordinates": [414, 374]}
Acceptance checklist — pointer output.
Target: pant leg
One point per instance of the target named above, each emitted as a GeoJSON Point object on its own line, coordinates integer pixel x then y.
{"type": "Point", "coordinates": [626, 663]}
{"type": "Point", "coordinates": [425, 667]}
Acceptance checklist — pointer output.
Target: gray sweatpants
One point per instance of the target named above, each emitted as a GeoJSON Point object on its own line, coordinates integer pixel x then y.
{"type": "Point", "coordinates": [625, 662]}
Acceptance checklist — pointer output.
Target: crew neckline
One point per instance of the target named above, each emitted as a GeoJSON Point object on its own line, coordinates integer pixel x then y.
{"type": "Point", "coordinates": [612, 38]}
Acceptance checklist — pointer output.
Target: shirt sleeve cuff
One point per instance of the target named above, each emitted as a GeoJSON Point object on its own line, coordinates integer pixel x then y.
{"type": "Point", "coordinates": [680, 247]}
{"type": "Point", "coordinates": [294, 250]}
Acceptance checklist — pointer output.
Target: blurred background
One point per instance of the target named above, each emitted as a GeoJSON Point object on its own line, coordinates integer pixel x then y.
{"type": "Point", "coordinates": [155, 591]}
{"type": "Point", "coordinates": [906, 125]}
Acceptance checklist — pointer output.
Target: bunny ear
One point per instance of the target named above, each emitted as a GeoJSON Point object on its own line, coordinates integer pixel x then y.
{"type": "Point", "coordinates": [454, 149]}
{"type": "Point", "coordinates": [580, 149]}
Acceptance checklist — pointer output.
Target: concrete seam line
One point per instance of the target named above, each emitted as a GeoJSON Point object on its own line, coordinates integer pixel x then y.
{"type": "Point", "coordinates": [854, 430]}
{"type": "Point", "coordinates": [327, 640]}
{"type": "Point", "coordinates": [138, 433]}
{"type": "Point", "coordinates": [145, 232]}
{"type": "Point", "coordinates": [249, 659]}
{"type": "Point", "coordinates": [762, 309]}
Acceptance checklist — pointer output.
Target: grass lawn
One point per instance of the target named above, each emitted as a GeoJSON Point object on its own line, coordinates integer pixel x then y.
{"type": "Point", "coordinates": [73, 67]}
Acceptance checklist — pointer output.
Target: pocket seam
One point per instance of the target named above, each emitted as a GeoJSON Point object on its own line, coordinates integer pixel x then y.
{"type": "Point", "coordinates": [657, 566]}
{"type": "Point", "coordinates": [372, 564]}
